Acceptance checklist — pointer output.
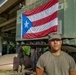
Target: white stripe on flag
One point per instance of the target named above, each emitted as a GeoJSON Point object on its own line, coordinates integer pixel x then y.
{"type": "Point", "coordinates": [44, 13]}
{"type": "Point", "coordinates": [43, 27]}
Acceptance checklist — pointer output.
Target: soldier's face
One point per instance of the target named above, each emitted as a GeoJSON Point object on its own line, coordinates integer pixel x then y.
{"type": "Point", "coordinates": [55, 44]}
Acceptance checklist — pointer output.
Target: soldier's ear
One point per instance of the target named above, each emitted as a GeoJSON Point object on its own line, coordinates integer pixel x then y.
{"type": "Point", "coordinates": [49, 42]}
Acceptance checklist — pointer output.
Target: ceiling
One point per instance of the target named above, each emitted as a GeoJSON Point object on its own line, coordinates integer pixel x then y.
{"type": "Point", "coordinates": [8, 13]}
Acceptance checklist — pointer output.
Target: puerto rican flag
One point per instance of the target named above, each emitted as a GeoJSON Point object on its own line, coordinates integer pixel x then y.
{"type": "Point", "coordinates": [40, 21]}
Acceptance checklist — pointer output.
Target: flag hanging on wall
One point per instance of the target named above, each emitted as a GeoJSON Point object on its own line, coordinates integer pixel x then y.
{"type": "Point", "coordinates": [40, 21]}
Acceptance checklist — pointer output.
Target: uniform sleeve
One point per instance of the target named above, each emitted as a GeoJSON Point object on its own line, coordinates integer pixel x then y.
{"type": "Point", "coordinates": [40, 63]}
{"type": "Point", "coordinates": [72, 65]}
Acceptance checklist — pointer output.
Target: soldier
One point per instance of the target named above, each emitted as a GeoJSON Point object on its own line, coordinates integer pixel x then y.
{"type": "Point", "coordinates": [55, 61]}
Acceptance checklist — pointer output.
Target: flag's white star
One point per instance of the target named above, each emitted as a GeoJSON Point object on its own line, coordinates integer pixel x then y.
{"type": "Point", "coordinates": [26, 24]}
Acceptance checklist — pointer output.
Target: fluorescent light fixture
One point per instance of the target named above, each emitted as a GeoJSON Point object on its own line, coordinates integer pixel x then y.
{"type": "Point", "coordinates": [2, 2]}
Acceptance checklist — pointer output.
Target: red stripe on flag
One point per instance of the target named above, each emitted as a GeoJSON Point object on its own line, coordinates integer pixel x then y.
{"type": "Point", "coordinates": [45, 20]}
{"type": "Point", "coordinates": [41, 8]}
{"type": "Point", "coordinates": [42, 33]}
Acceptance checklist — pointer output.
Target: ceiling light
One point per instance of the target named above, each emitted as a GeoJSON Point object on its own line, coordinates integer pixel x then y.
{"type": "Point", "coordinates": [2, 2]}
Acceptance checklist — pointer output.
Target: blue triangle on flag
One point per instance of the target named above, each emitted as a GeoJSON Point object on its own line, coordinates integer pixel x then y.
{"type": "Point", "coordinates": [26, 24]}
